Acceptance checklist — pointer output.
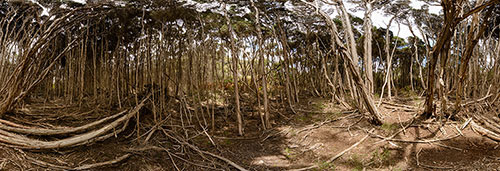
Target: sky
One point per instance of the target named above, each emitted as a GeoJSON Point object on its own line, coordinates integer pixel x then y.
{"type": "Point", "coordinates": [380, 20]}
{"type": "Point", "coordinates": [378, 17]}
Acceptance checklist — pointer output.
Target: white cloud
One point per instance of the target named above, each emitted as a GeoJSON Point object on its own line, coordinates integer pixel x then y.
{"type": "Point", "coordinates": [381, 20]}
{"type": "Point", "coordinates": [80, 1]}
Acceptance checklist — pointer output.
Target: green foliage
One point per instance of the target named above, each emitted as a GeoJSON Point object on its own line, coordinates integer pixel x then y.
{"type": "Point", "coordinates": [303, 118]}
{"type": "Point", "coordinates": [356, 163]}
{"type": "Point", "coordinates": [406, 91]}
{"type": "Point", "coordinates": [383, 157]}
{"type": "Point", "coordinates": [319, 105]}
{"type": "Point", "coordinates": [388, 126]}
{"type": "Point", "coordinates": [325, 166]}
{"type": "Point", "coordinates": [228, 142]}
{"type": "Point", "coordinates": [289, 154]}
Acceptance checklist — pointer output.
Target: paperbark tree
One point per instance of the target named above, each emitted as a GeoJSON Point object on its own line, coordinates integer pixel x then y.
{"type": "Point", "coordinates": [367, 44]}
{"type": "Point", "coordinates": [352, 67]}
{"type": "Point", "coordinates": [234, 57]}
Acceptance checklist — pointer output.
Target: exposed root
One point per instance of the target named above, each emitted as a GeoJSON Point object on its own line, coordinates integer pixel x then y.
{"type": "Point", "coordinates": [484, 132]}
{"type": "Point", "coordinates": [24, 142]}
{"type": "Point", "coordinates": [180, 141]}
{"type": "Point", "coordinates": [319, 124]}
{"type": "Point", "coordinates": [83, 167]}
{"type": "Point", "coordinates": [44, 131]}
{"type": "Point", "coordinates": [413, 141]}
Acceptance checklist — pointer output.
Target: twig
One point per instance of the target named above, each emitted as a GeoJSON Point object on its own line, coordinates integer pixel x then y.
{"type": "Point", "coordinates": [476, 101]}
{"type": "Point", "coordinates": [317, 125]}
{"type": "Point", "coordinates": [413, 141]}
{"type": "Point", "coordinates": [209, 137]}
{"type": "Point", "coordinates": [12, 124]}
{"type": "Point", "coordinates": [466, 123]}
{"type": "Point", "coordinates": [47, 165]}
{"type": "Point", "coordinates": [401, 105]}
{"type": "Point", "coordinates": [205, 152]}
{"type": "Point", "coordinates": [173, 162]}
{"type": "Point", "coordinates": [83, 167]}
{"type": "Point", "coordinates": [336, 156]}
{"type": "Point", "coordinates": [402, 129]}
{"type": "Point", "coordinates": [236, 138]}
{"type": "Point", "coordinates": [317, 112]}
{"type": "Point", "coordinates": [110, 162]}
{"type": "Point", "coordinates": [401, 123]}
{"type": "Point", "coordinates": [450, 147]}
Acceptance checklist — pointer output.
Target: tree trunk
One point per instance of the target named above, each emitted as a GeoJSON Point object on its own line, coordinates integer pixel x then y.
{"type": "Point", "coordinates": [234, 57]}
{"type": "Point", "coordinates": [387, 80]}
{"type": "Point", "coordinates": [450, 12]}
{"type": "Point", "coordinates": [473, 36]}
{"type": "Point", "coordinates": [352, 68]}
{"type": "Point", "coordinates": [262, 67]}
{"type": "Point", "coordinates": [368, 61]}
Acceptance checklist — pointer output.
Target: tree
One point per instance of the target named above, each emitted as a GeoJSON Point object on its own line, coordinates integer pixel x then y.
{"type": "Point", "coordinates": [352, 67]}
{"type": "Point", "coordinates": [235, 72]}
{"type": "Point", "coordinates": [452, 11]}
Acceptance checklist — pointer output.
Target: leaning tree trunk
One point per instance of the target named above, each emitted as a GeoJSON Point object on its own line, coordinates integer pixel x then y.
{"type": "Point", "coordinates": [473, 36]}
{"type": "Point", "coordinates": [352, 68]}
{"type": "Point", "coordinates": [451, 19]}
{"type": "Point", "coordinates": [351, 44]}
{"type": "Point", "coordinates": [450, 14]}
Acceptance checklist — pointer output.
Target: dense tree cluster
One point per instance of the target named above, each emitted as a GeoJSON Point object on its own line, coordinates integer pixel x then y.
{"type": "Point", "coordinates": [207, 53]}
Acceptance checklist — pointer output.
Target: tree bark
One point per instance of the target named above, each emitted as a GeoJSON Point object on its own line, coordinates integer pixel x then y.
{"type": "Point", "coordinates": [472, 39]}
{"type": "Point", "coordinates": [352, 68]}
{"type": "Point", "coordinates": [368, 61]}
{"type": "Point", "coordinates": [262, 67]}
{"type": "Point", "coordinates": [450, 14]}
{"type": "Point", "coordinates": [234, 57]}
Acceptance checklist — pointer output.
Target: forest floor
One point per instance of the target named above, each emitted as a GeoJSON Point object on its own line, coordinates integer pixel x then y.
{"type": "Point", "coordinates": [319, 131]}
{"type": "Point", "coordinates": [313, 139]}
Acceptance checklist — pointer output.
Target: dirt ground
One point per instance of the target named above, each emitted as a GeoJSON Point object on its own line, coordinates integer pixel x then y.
{"type": "Point", "coordinates": [290, 148]}
{"type": "Point", "coordinates": [318, 131]}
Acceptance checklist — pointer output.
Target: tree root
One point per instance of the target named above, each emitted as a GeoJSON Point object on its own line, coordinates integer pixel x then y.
{"type": "Point", "coordinates": [83, 167]}
{"type": "Point", "coordinates": [44, 131]}
{"type": "Point", "coordinates": [413, 141]}
{"type": "Point", "coordinates": [484, 132]}
{"type": "Point", "coordinates": [8, 137]}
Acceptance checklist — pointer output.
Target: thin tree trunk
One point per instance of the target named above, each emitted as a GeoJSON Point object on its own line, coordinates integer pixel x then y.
{"type": "Point", "coordinates": [368, 61]}
{"type": "Point", "coordinates": [235, 73]}
{"type": "Point", "coordinates": [262, 67]}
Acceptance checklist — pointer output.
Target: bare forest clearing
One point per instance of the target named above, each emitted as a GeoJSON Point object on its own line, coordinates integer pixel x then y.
{"type": "Point", "coordinates": [250, 85]}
